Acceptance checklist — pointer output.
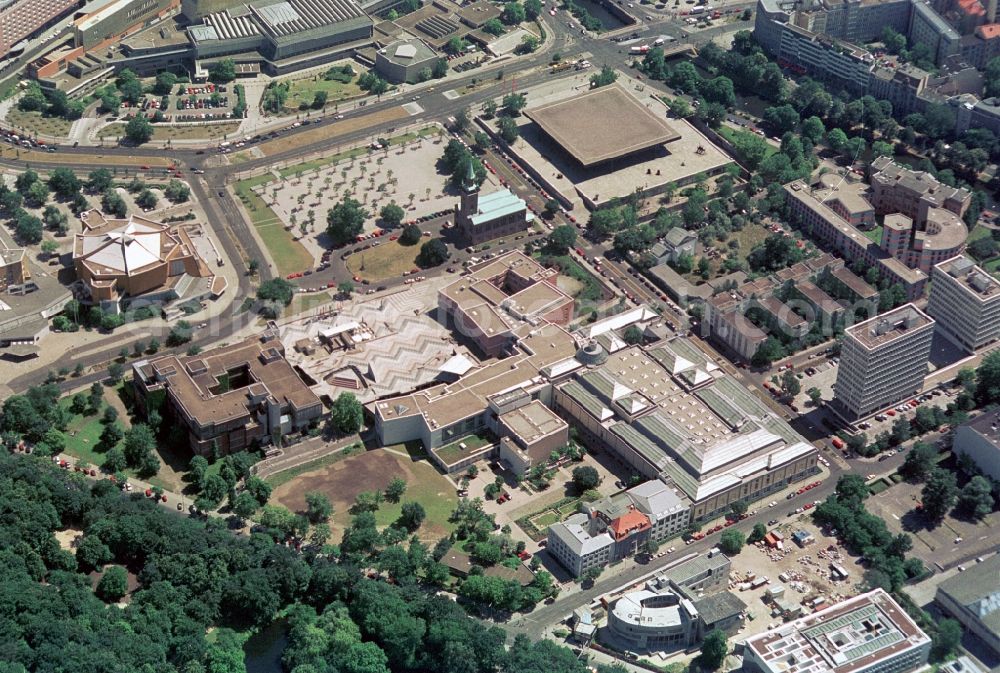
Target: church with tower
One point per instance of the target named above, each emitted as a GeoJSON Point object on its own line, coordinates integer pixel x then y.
{"type": "Point", "coordinates": [484, 218]}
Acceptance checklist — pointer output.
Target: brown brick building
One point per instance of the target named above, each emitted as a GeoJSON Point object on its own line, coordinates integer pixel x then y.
{"type": "Point", "coordinates": [228, 398]}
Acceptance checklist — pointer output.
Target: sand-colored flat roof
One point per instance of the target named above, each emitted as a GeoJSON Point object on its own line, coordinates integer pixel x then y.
{"type": "Point", "coordinates": [889, 326]}
{"type": "Point", "coordinates": [602, 124]}
{"type": "Point", "coordinates": [533, 421]}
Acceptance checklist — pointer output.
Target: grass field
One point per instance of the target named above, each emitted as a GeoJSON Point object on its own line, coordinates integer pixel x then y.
{"type": "Point", "coordinates": [84, 432]}
{"type": "Point", "coordinates": [453, 452]}
{"type": "Point", "coordinates": [85, 162]}
{"type": "Point", "coordinates": [730, 134]}
{"type": "Point", "coordinates": [388, 260]}
{"type": "Point", "coordinates": [344, 479]}
{"type": "Point", "coordinates": [536, 524]}
{"type": "Point", "coordinates": [874, 234]}
{"type": "Point", "coordinates": [35, 123]}
{"type": "Point", "coordinates": [304, 90]}
{"type": "Point", "coordinates": [545, 519]}
{"type": "Point", "coordinates": [287, 254]}
{"type": "Point", "coordinates": [286, 476]}
{"type": "Point", "coordinates": [589, 293]}
{"type": "Point", "coordinates": [749, 237]}
{"type": "Point", "coordinates": [178, 132]}
{"type": "Point", "coordinates": [978, 232]}
{"type": "Point", "coordinates": [304, 302]}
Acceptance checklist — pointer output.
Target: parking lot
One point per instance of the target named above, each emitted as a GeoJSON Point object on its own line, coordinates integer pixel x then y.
{"type": "Point", "coordinates": [954, 542]}
{"type": "Point", "coordinates": [187, 103]}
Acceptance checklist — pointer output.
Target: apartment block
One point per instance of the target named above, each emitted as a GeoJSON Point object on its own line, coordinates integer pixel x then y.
{"type": "Point", "coordinates": [913, 240]}
{"type": "Point", "coordinates": [916, 194]}
{"type": "Point", "coordinates": [965, 302]}
{"type": "Point", "coordinates": [883, 361]}
{"type": "Point", "coordinates": [802, 303]}
{"type": "Point", "coordinates": [821, 37]}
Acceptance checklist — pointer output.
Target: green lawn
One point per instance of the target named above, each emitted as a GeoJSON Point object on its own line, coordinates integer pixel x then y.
{"type": "Point", "coordinates": [285, 476]}
{"type": "Point", "coordinates": [388, 260]}
{"type": "Point", "coordinates": [427, 493]}
{"type": "Point", "coordinates": [453, 452]}
{"type": "Point", "coordinates": [978, 232]}
{"type": "Point", "coordinates": [180, 131]}
{"type": "Point", "coordinates": [750, 236]}
{"type": "Point", "coordinates": [878, 487]}
{"type": "Point", "coordinates": [303, 302]}
{"type": "Point", "coordinates": [304, 90]}
{"type": "Point", "coordinates": [874, 234]}
{"type": "Point", "coordinates": [992, 265]}
{"type": "Point", "coordinates": [546, 519]}
{"type": "Point", "coordinates": [82, 434]}
{"type": "Point", "coordinates": [414, 449]}
{"type": "Point", "coordinates": [730, 134]}
{"type": "Point", "coordinates": [35, 123]}
{"type": "Point", "coordinates": [288, 254]}
{"type": "Point", "coordinates": [590, 292]}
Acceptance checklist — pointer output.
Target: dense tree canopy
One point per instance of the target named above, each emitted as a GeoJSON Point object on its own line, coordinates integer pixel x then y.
{"type": "Point", "coordinates": [194, 574]}
{"type": "Point", "coordinates": [432, 253]}
{"type": "Point", "coordinates": [347, 414]}
{"type": "Point", "coordinates": [345, 221]}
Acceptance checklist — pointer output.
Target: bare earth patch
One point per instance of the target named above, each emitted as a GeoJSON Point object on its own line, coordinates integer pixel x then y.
{"type": "Point", "coordinates": [67, 539]}
{"type": "Point", "coordinates": [341, 482]}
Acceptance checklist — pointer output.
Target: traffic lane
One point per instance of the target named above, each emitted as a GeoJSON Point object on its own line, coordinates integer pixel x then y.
{"type": "Point", "coordinates": [437, 107]}
{"type": "Point", "coordinates": [216, 329]}
{"type": "Point", "coordinates": [232, 230]}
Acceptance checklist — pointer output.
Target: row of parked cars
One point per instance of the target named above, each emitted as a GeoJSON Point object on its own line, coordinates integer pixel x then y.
{"type": "Point", "coordinates": [15, 139]}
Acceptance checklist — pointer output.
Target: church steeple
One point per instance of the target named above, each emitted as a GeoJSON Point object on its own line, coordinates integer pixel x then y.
{"type": "Point", "coordinates": [469, 200]}
{"type": "Point", "coordinates": [469, 181]}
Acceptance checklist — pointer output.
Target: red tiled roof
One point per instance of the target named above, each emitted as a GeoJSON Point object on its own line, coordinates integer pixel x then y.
{"type": "Point", "coordinates": [989, 31]}
{"type": "Point", "coordinates": [971, 7]}
{"type": "Point", "coordinates": [628, 523]}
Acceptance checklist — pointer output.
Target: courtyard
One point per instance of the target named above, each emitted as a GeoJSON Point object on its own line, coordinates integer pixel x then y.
{"type": "Point", "coordinates": [302, 90]}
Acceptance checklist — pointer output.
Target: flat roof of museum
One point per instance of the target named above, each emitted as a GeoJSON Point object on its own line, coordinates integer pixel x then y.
{"type": "Point", "coordinates": [580, 125]}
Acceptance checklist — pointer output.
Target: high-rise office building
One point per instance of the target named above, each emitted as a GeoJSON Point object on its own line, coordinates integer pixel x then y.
{"type": "Point", "coordinates": [883, 361]}
{"type": "Point", "coordinates": [965, 302]}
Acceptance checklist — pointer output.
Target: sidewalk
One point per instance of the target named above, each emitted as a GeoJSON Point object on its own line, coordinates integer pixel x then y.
{"type": "Point", "coordinates": [301, 453]}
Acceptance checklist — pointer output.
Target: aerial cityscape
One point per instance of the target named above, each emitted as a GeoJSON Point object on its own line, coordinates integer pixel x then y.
{"type": "Point", "coordinates": [500, 336]}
